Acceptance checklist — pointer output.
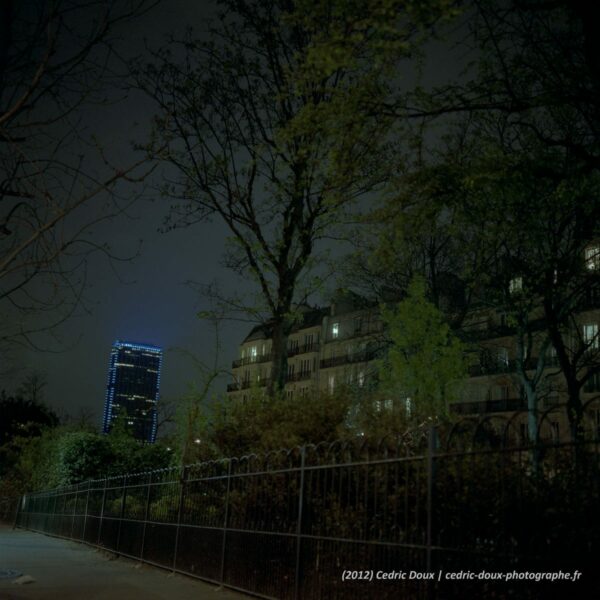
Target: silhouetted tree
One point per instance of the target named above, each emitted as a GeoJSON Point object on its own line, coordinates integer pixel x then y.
{"type": "Point", "coordinates": [53, 62]}
{"type": "Point", "coordinates": [23, 418]}
{"type": "Point", "coordinates": [264, 136]}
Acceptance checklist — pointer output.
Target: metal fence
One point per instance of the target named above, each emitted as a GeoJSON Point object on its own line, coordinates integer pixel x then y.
{"type": "Point", "coordinates": [330, 520]}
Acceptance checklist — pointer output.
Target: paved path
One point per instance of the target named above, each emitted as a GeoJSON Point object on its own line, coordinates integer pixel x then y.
{"type": "Point", "coordinates": [65, 570]}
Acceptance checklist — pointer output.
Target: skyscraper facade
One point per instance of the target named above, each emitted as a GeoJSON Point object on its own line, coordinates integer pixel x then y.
{"type": "Point", "coordinates": [132, 388]}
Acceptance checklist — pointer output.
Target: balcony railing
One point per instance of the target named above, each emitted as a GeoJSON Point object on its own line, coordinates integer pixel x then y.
{"type": "Point", "coordinates": [246, 384]}
{"type": "Point", "coordinates": [356, 357]}
{"type": "Point", "coordinates": [301, 376]}
{"type": "Point", "coordinates": [252, 360]}
{"type": "Point", "coordinates": [294, 351]}
{"type": "Point", "coordinates": [262, 358]}
{"type": "Point", "coordinates": [509, 366]}
{"type": "Point", "coordinates": [488, 406]}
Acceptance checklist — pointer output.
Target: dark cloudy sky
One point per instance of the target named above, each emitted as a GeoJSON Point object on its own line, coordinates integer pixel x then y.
{"type": "Point", "coordinates": [144, 299]}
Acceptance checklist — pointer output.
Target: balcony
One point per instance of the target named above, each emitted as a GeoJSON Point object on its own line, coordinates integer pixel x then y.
{"type": "Point", "coordinates": [488, 406]}
{"type": "Point", "coordinates": [491, 368]}
{"type": "Point", "coordinates": [302, 376]}
{"type": "Point", "coordinates": [252, 360]}
{"type": "Point", "coordinates": [356, 357]}
{"type": "Point", "coordinates": [304, 349]}
{"type": "Point", "coordinates": [263, 358]}
{"type": "Point", "coordinates": [246, 384]}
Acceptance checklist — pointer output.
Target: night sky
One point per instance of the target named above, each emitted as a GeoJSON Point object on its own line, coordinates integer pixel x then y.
{"type": "Point", "coordinates": [145, 299]}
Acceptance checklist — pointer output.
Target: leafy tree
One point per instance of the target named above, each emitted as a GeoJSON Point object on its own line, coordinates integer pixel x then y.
{"type": "Point", "coordinates": [266, 135]}
{"type": "Point", "coordinates": [540, 209]}
{"type": "Point", "coordinates": [30, 463]}
{"type": "Point", "coordinates": [66, 455]}
{"type": "Point", "coordinates": [425, 361]}
{"type": "Point", "coordinates": [130, 455]}
{"type": "Point", "coordinates": [83, 456]}
{"type": "Point", "coordinates": [263, 423]}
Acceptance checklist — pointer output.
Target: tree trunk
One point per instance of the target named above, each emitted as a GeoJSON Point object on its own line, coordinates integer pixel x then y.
{"type": "Point", "coordinates": [279, 338]}
{"type": "Point", "coordinates": [574, 406]}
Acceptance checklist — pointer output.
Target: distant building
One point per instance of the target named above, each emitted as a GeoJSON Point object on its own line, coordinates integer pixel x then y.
{"type": "Point", "coordinates": [132, 389]}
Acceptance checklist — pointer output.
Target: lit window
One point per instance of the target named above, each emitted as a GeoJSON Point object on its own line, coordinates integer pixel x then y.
{"type": "Point", "coordinates": [515, 285]}
{"type": "Point", "coordinates": [361, 378]}
{"type": "Point", "coordinates": [590, 335]}
{"type": "Point", "coordinates": [408, 406]}
{"type": "Point", "coordinates": [335, 330]}
{"type": "Point", "coordinates": [331, 384]}
{"type": "Point", "coordinates": [592, 257]}
{"type": "Point", "coordinates": [253, 353]}
{"type": "Point", "coordinates": [502, 357]}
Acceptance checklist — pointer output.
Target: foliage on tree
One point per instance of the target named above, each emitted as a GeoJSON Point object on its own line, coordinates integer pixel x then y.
{"type": "Point", "coordinates": [261, 123]}
{"type": "Point", "coordinates": [262, 423]}
{"type": "Point", "coordinates": [82, 456]}
{"type": "Point", "coordinates": [425, 360]}
{"type": "Point", "coordinates": [68, 455]}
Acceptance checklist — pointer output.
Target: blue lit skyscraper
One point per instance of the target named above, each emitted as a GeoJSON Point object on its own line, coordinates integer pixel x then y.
{"type": "Point", "coordinates": [132, 389]}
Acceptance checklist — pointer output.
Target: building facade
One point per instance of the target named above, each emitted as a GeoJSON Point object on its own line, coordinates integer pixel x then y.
{"type": "Point", "coordinates": [132, 389]}
{"type": "Point", "coordinates": [327, 347]}
{"type": "Point", "coordinates": [340, 344]}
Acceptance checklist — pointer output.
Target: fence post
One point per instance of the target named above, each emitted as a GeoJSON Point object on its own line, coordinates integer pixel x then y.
{"type": "Point", "coordinates": [299, 524]}
{"type": "Point", "coordinates": [121, 512]}
{"type": "Point", "coordinates": [74, 511]}
{"type": "Point", "coordinates": [431, 446]}
{"type": "Point", "coordinates": [54, 505]}
{"type": "Point", "coordinates": [225, 523]}
{"type": "Point", "coordinates": [21, 498]}
{"type": "Point", "coordinates": [102, 510]}
{"type": "Point", "coordinates": [146, 515]}
{"type": "Point", "coordinates": [183, 481]}
{"type": "Point", "coordinates": [85, 513]}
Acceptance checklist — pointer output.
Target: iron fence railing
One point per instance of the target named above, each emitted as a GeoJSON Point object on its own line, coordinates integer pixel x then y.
{"type": "Point", "coordinates": [327, 521]}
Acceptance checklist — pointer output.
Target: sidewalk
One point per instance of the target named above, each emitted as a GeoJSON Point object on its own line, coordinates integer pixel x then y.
{"type": "Point", "coordinates": [65, 570]}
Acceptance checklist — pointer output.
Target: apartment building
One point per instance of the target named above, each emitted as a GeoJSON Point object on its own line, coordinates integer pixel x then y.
{"type": "Point", "coordinates": [339, 344]}
{"type": "Point", "coordinates": [326, 348]}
